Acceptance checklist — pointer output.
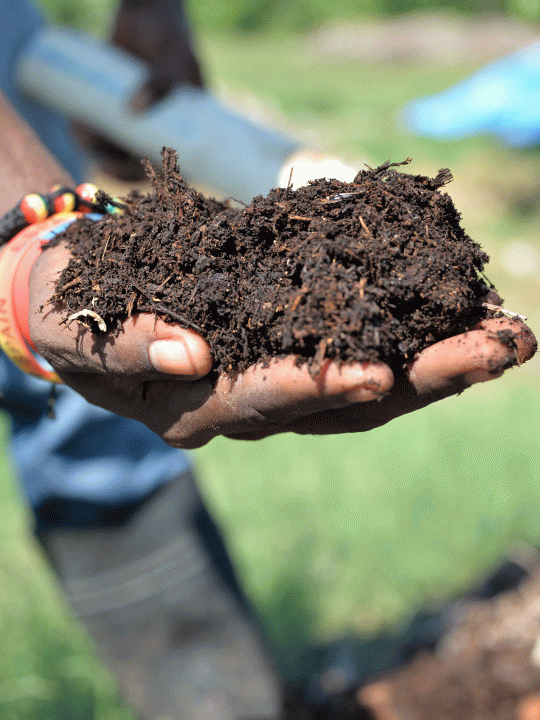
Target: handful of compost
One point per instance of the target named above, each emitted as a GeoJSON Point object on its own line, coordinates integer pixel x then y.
{"type": "Point", "coordinates": [373, 270]}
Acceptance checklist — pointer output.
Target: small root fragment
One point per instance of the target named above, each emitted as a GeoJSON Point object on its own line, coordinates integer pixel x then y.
{"type": "Point", "coordinates": [363, 224]}
{"type": "Point", "coordinates": [73, 282]}
{"type": "Point", "coordinates": [504, 311]}
{"type": "Point", "coordinates": [102, 325]}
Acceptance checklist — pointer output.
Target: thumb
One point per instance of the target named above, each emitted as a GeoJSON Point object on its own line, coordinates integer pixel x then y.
{"type": "Point", "coordinates": [143, 98]}
{"type": "Point", "coordinates": [147, 344]}
{"type": "Point", "coordinates": [153, 90]}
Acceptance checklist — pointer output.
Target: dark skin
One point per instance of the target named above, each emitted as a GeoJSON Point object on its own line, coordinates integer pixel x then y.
{"type": "Point", "coordinates": [155, 31]}
{"type": "Point", "coordinates": [187, 410]}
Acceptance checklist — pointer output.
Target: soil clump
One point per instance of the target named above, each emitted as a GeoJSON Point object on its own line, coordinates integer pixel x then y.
{"type": "Point", "coordinates": [376, 269]}
{"type": "Point", "coordinates": [485, 667]}
{"type": "Point", "coordinates": [479, 661]}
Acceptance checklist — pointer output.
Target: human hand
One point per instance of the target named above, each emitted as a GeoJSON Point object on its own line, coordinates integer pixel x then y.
{"type": "Point", "coordinates": [155, 31]}
{"type": "Point", "coordinates": [156, 373]}
{"type": "Point", "coordinates": [446, 368]}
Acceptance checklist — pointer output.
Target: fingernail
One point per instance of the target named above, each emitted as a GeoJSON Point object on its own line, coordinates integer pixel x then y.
{"type": "Point", "coordinates": [171, 356]}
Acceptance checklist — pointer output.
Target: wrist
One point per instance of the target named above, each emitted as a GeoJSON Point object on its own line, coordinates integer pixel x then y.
{"type": "Point", "coordinates": [24, 230]}
{"type": "Point", "coordinates": [17, 259]}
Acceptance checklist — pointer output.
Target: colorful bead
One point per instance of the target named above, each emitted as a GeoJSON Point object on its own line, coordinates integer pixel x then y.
{"type": "Point", "coordinates": [64, 203]}
{"type": "Point", "coordinates": [34, 208]}
{"type": "Point", "coordinates": [87, 191]}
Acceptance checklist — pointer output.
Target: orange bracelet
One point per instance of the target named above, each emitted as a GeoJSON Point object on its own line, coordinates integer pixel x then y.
{"type": "Point", "coordinates": [16, 261]}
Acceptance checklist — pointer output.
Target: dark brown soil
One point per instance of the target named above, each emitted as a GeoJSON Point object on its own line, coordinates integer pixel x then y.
{"type": "Point", "coordinates": [375, 269]}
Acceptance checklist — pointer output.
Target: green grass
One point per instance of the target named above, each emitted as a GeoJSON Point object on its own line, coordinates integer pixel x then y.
{"type": "Point", "coordinates": [353, 533]}
{"type": "Point", "coordinates": [343, 535]}
{"type": "Point", "coordinates": [277, 17]}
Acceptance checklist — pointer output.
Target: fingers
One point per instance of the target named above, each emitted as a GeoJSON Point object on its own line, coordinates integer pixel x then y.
{"type": "Point", "coordinates": [285, 389]}
{"type": "Point", "coordinates": [444, 369]}
{"type": "Point", "coordinates": [476, 356]}
{"type": "Point", "coordinates": [514, 334]}
{"type": "Point", "coordinates": [260, 399]}
{"type": "Point", "coordinates": [146, 349]}
{"type": "Point", "coordinates": [284, 397]}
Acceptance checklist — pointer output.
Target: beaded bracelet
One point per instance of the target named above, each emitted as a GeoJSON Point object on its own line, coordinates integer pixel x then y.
{"type": "Point", "coordinates": [24, 230]}
{"type": "Point", "coordinates": [35, 208]}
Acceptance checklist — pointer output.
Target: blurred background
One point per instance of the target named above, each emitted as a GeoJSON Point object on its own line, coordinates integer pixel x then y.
{"type": "Point", "coordinates": [337, 539]}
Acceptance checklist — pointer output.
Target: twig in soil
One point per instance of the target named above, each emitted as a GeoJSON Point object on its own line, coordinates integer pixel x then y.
{"type": "Point", "coordinates": [504, 311]}
{"type": "Point", "coordinates": [73, 282]}
{"type": "Point", "coordinates": [289, 184]}
{"type": "Point", "coordinates": [177, 317]}
{"type": "Point", "coordinates": [363, 224]}
{"type": "Point", "coordinates": [238, 201]}
{"type": "Point", "coordinates": [166, 311]}
{"type": "Point", "coordinates": [131, 304]}
{"type": "Point", "coordinates": [160, 287]}
{"type": "Point", "coordinates": [339, 197]}
{"type": "Point", "coordinates": [105, 248]}
{"type": "Point", "coordinates": [483, 274]}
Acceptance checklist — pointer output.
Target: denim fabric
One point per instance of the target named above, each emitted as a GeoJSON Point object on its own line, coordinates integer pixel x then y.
{"type": "Point", "coordinates": [83, 452]}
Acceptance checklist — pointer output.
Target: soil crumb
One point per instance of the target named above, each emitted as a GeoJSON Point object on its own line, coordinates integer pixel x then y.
{"type": "Point", "coordinates": [376, 269]}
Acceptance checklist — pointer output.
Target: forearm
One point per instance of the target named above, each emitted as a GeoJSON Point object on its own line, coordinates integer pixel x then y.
{"type": "Point", "coordinates": [25, 165]}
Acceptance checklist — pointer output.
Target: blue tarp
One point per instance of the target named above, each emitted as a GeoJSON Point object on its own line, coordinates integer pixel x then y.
{"type": "Point", "coordinates": [501, 99]}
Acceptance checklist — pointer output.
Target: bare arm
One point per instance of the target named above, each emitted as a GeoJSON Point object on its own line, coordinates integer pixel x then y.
{"type": "Point", "coordinates": [157, 32]}
{"type": "Point", "coordinates": [25, 165]}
